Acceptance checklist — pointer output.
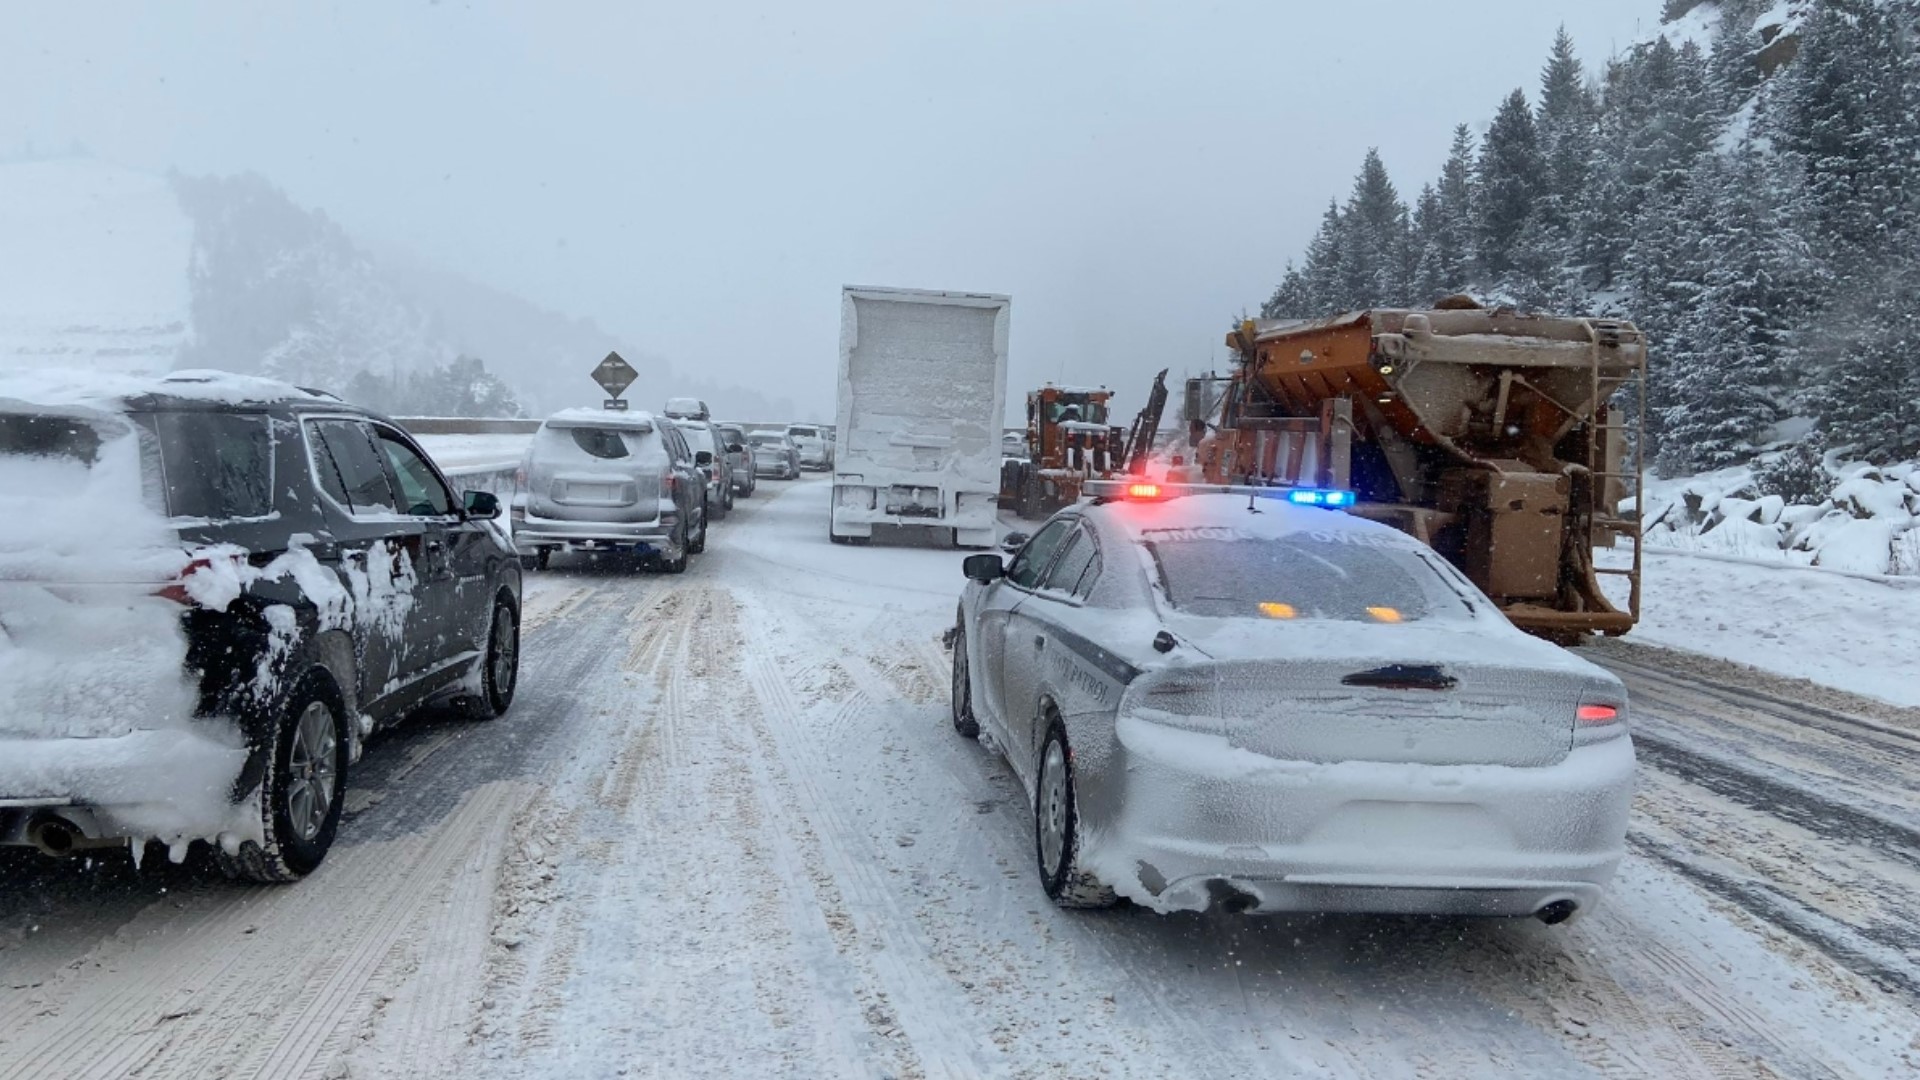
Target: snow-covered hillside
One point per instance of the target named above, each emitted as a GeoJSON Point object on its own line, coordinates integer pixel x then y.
{"type": "Point", "coordinates": [116, 268]}
{"type": "Point", "coordinates": [93, 267]}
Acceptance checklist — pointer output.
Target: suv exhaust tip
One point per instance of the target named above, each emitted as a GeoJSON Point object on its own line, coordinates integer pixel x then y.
{"type": "Point", "coordinates": [1557, 912]}
{"type": "Point", "coordinates": [53, 836]}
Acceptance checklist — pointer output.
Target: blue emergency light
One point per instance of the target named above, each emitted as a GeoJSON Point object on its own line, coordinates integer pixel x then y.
{"type": "Point", "coordinates": [1317, 497]}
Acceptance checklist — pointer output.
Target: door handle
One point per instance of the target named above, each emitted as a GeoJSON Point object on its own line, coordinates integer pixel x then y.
{"type": "Point", "coordinates": [1039, 642]}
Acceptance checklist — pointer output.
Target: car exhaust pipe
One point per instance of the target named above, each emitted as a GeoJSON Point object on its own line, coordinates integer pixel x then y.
{"type": "Point", "coordinates": [1557, 912]}
{"type": "Point", "coordinates": [53, 836]}
{"type": "Point", "coordinates": [1231, 898]}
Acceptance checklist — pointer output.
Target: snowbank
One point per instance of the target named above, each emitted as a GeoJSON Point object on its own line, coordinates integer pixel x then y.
{"type": "Point", "coordinates": [1853, 634]}
{"type": "Point", "coordinates": [1866, 524]}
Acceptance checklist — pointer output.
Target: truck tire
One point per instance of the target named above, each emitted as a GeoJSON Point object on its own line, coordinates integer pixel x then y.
{"type": "Point", "coordinates": [1032, 498]}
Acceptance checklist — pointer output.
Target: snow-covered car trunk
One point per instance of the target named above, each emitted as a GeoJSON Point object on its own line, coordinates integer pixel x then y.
{"type": "Point", "coordinates": [582, 473]}
{"type": "Point", "coordinates": [100, 707]}
{"type": "Point", "coordinates": [1412, 707]}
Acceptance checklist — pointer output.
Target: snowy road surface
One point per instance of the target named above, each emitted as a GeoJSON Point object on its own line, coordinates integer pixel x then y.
{"type": "Point", "coordinates": [727, 830]}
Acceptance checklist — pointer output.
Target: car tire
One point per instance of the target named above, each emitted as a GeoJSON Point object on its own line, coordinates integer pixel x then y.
{"type": "Point", "coordinates": [1056, 829]}
{"type": "Point", "coordinates": [677, 565]}
{"type": "Point", "coordinates": [697, 543]}
{"type": "Point", "coordinates": [964, 721]}
{"type": "Point", "coordinates": [303, 790]}
{"type": "Point", "coordinates": [500, 668]}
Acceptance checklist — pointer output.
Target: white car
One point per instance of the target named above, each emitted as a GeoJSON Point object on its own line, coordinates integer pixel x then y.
{"type": "Point", "coordinates": [816, 451]}
{"type": "Point", "coordinates": [1222, 698]}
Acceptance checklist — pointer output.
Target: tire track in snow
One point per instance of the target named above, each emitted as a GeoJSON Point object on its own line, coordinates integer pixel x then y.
{"type": "Point", "coordinates": [256, 991]}
{"type": "Point", "coordinates": [914, 1003]}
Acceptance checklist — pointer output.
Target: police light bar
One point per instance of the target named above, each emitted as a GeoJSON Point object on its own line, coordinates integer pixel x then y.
{"type": "Point", "coordinates": [1157, 491]}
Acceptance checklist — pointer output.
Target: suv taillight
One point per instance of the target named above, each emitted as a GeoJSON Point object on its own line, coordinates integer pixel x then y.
{"type": "Point", "coordinates": [176, 590]}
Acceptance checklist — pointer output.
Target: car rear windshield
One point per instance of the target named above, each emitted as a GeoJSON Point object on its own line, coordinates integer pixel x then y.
{"type": "Point", "coordinates": [803, 433]}
{"type": "Point", "coordinates": [600, 442]}
{"type": "Point", "coordinates": [699, 438]}
{"type": "Point", "coordinates": [1336, 574]}
{"type": "Point", "coordinates": [215, 465]}
{"type": "Point", "coordinates": [768, 440]}
{"type": "Point", "coordinates": [29, 435]}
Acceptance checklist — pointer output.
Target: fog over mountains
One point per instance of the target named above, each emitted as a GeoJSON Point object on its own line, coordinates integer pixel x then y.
{"type": "Point", "coordinates": [117, 268]}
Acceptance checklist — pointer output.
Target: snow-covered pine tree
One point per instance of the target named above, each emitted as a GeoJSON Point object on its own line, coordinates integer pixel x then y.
{"type": "Point", "coordinates": [1373, 265]}
{"type": "Point", "coordinates": [1843, 115]}
{"type": "Point", "coordinates": [1565, 122]}
{"type": "Point", "coordinates": [1508, 179]}
{"type": "Point", "coordinates": [1444, 233]}
{"type": "Point", "coordinates": [1868, 398]}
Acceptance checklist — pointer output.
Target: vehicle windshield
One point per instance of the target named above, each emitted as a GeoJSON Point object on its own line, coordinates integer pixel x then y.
{"type": "Point", "coordinates": [768, 440]}
{"type": "Point", "coordinates": [803, 433]}
{"type": "Point", "coordinates": [1336, 574]}
{"type": "Point", "coordinates": [1078, 411]}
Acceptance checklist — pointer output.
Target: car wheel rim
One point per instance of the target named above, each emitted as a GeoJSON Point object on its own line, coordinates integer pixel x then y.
{"type": "Point", "coordinates": [1053, 808]}
{"type": "Point", "coordinates": [505, 651]}
{"type": "Point", "coordinates": [311, 767]}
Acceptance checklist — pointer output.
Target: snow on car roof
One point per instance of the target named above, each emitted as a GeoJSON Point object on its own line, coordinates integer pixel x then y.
{"type": "Point", "coordinates": [111, 391]}
{"type": "Point", "coordinates": [637, 420]}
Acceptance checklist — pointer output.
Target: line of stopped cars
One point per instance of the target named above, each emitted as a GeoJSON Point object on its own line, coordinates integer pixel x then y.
{"type": "Point", "coordinates": [598, 480]}
{"type": "Point", "coordinates": [1247, 698]}
{"type": "Point", "coordinates": [214, 588]}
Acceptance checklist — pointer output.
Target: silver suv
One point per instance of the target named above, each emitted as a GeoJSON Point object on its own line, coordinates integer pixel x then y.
{"type": "Point", "coordinates": [816, 450]}
{"type": "Point", "coordinates": [608, 481]}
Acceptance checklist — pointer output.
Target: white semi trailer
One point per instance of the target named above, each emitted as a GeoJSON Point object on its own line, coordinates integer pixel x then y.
{"type": "Point", "coordinates": [923, 386]}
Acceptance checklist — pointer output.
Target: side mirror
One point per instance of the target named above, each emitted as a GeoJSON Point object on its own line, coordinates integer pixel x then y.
{"type": "Point", "coordinates": [736, 448]}
{"type": "Point", "coordinates": [703, 457]}
{"type": "Point", "coordinates": [984, 568]}
{"type": "Point", "coordinates": [481, 504]}
{"type": "Point", "coordinates": [1013, 542]}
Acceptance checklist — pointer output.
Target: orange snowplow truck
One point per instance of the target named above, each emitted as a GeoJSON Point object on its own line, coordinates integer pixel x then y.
{"type": "Point", "coordinates": [1500, 439]}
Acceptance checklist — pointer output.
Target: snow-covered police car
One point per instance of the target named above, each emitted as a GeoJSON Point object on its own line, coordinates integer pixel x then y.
{"type": "Point", "coordinates": [1250, 698]}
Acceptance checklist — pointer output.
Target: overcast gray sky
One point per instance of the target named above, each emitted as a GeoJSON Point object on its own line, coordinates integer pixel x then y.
{"type": "Point", "coordinates": [701, 177]}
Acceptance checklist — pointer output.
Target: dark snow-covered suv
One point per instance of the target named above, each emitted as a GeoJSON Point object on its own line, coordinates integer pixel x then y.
{"type": "Point", "coordinates": [212, 589]}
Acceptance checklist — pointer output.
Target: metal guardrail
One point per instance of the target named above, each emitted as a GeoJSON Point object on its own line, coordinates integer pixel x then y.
{"type": "Point", "coordinates": [467, 425]}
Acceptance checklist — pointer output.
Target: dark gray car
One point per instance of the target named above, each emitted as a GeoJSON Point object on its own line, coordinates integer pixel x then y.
{"type": "Point", "coordinates": [609, 481]}
{"type": "Point", "coordinates": [246, 579]}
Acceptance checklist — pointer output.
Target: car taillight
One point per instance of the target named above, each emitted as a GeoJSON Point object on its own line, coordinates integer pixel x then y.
{"type": "Point", "coordinates": [176, 590]}
{"type": "Point", "coordinates": [1598, 714]}
{"type": "Point", "coordinates": [673, 485]}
